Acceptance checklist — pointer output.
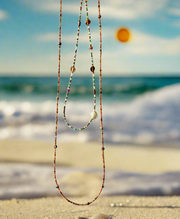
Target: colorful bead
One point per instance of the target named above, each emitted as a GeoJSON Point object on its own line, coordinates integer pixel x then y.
{"type": "Point", "coordinates": [87, 22]}
{"type": "Point", "coordinates": [90, 47]}
{"type": "Point", "coordinates": [73, 69]}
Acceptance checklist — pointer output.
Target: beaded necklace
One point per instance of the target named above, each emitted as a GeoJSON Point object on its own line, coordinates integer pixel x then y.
{"type": "Point", "coordinates": [94, 113]}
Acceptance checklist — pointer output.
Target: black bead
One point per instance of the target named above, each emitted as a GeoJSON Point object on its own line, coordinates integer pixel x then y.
{"type": "Point", "coordinates": [92, 68]}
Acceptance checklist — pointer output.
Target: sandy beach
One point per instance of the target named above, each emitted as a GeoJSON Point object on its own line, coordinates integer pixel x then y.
{"type": "Point", "coordinates": [124, 158]}
{"type": "Point", "coordinates": [56, 208]}
{"type": "Point", "coordinates": [88, 155]}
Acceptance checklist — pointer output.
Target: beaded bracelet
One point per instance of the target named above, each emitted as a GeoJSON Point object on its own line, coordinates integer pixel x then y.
{"type": "Point", "coordinates": [94, 113]}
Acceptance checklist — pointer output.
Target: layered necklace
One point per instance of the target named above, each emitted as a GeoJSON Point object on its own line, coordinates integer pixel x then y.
{"type": "Point", "coordinates": [94, 114]}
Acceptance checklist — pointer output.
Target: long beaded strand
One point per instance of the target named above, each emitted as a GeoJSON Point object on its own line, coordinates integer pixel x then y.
{"type": "Point", "coordinates": [100, 97]}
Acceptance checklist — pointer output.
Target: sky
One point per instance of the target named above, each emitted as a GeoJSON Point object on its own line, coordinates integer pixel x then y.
{"type": "Point", "coordinates": [29, 37]}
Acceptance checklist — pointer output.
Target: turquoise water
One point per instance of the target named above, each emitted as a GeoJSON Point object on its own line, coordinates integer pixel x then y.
{"type": "Point", "coordinates": [114, 88]}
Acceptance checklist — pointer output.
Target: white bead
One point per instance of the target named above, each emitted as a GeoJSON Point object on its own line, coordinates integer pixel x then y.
{"type": "Point", "coordinates": [94, 115]}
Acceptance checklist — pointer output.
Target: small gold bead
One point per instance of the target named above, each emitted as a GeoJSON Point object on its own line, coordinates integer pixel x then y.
{"type": "Point", "coordinates": [73, 69]}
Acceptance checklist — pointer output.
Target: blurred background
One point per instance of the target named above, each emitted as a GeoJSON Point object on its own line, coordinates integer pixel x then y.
{"type": "Point", "coordinates": [140, 76]}
{"type": "Point", "coordinates": [141, 90]}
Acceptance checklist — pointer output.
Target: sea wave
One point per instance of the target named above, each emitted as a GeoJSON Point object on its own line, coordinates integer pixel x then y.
{"type": "Point", "coordinates": [153, 117]}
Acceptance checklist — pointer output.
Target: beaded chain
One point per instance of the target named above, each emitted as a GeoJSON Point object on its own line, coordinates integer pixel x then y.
{"type": "Point", "coordinates": [94, 114]}
{"type": "Point", "coordinates": [73, 69]}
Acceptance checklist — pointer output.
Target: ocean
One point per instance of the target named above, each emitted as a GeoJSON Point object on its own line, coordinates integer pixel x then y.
{"type": "Point", "coordinates": [136, 110]}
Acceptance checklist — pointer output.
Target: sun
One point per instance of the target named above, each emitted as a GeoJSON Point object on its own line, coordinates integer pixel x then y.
{"type": "Point", "coordinates": [123, 35]}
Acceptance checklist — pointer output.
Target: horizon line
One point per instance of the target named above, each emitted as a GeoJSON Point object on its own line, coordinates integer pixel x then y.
{"type": "Point", "coordinates": [105, 75]}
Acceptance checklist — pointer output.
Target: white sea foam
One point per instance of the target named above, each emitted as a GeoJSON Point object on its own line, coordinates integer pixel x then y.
{"type": "Point", "coordinates": [153, 117]}
{"type": "Point", "coordinates": [32, 181]}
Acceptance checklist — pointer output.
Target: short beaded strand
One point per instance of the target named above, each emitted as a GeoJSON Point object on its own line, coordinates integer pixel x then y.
{"type": "Point", "coordinates": [73, 69]}
{"type": "Point", "coordinates": [100, 96]}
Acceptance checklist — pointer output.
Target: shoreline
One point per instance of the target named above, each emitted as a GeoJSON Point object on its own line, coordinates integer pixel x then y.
{"type": "Point", "coordinates": [136, 159]}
